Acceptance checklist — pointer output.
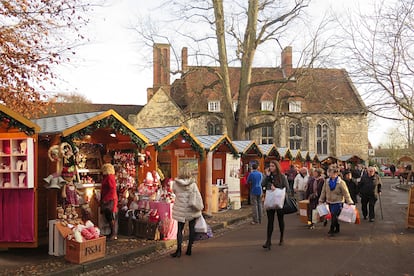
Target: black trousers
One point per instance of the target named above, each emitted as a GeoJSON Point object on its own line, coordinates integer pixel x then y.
{"type": "Point", "coordinates": [368, 205]}
{"type": "Point", "coordinates": [191, 226]}
{"type": "Point", "coordinates": [271, 219]}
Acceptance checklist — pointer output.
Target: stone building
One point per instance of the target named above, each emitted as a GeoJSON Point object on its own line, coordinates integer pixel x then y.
{"type": "Point", "coordinates": [317, 110]}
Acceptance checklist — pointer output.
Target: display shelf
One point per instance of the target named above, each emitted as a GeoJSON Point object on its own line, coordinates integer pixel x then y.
{"type": "Point", "coordinates": [16, 163]}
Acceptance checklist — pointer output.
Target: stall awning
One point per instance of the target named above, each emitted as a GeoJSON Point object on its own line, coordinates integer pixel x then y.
{"type": "Point", "coordinates": [297, 155]}
{"type": "Point", "coordinates": [285, 153]}
{"type": "Point", "coordinates": [351, 158]}
{"type": "Point", "coordinates": [213, 143]}
{"type": "Point", "coordinates": [163, 136]}
{"type": "Point", "coordinates": [246, 147]}
{"type": "Point", "coordinates": [269, 150]}
{"type": "Point", "coordinates": [78, 125]}
{"type": "Point", "coordinates": [311, 156]}
{"type": "Point", "coordinates": [327, 159]}
{"type": "Point", "coordinates": [12, 119]}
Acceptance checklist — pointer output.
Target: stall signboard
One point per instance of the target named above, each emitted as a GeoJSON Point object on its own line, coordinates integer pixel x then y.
{"type": "Point", "coordinates": [233, 180]}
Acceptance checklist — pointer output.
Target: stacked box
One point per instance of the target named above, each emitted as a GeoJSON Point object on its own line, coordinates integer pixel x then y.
{"type": "Point", "coordinates": [81, 252]}
{"type": "Point", "coordinates": [303, 210]}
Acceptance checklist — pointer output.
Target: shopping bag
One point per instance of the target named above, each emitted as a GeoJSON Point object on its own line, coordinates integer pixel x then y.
{"type": "Point", "coordinates": [275, 199]}
{"type": "Point", "coordinates": [200, 225]}
{"type": "Point", "coordinates": [347, 213]}
{"type": "Point", "coordinates": [290, 206]}
{"type": "Point", "coordinates": [357, 217]}
{"type": "Point", "coordinates": [323, 209]}
{"type": "Point", "coordinates": [204, 236]}
{"type": "Point", "coordinates": [315, 216]}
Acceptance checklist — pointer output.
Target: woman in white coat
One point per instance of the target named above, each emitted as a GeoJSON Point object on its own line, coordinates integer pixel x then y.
{"type": "Point", "coordinates": [187, 207]}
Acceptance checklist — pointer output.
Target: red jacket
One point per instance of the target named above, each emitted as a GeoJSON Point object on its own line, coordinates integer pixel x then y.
{"type": "Point", "coordinates": [109, 191]}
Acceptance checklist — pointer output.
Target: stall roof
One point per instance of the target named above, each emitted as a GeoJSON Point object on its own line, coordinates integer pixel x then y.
{"type": "Point", "coordinates": [16, 120]}
{"type": "Point", "coordinates": [213, 142]}
{"type": "Point", "coordinates": [243, 147]}
{"type": "Point", "coordinates": [350, 158]}
{"type": "Point", "coordinates": [285, 153]}
{"type": "Point", "coordinates": [163, 136]}
{"type": "Point", "coordinates": [269, 150]}
{"type": "Point", "coordinates": [311, 156]}
{"type": "Point", "coordinates": [296, 154]}
{"type": "Point", "coordinates": [70, 124]}
{"type": "Point", "coordinates": [325, 158]}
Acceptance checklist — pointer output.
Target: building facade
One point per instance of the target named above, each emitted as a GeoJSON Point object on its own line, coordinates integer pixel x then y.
{"type": "Point", "coordinates": [316, 110]}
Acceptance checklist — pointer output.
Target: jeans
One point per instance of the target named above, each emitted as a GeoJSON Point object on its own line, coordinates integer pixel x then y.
{"type": "Point", "coordinates": [256, 208]}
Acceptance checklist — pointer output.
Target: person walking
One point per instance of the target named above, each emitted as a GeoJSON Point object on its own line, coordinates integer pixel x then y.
{"type": "Point", "coordinates": [352, 186]}
{"type": "Point", "coordinates": [187, 207]}
{"type": "Point", "coordinates": [313, 192]}
{"type": "Point", "coordinates": [370, 190]}
{"type": "Point", "coordinates": [335, 192]}
{"type": "Point", "coordinates": [300, 183]}
{"type": "Point", "coordinates": [109, 199]}
{"type": "Point", "coordinates": [291, 174]}
{"type": "Point", "coordinates": [392, 170]}
{"type": "Point", "coordinates": [275, 179]}
{"type": "Point", "coordinates": [255, 182]}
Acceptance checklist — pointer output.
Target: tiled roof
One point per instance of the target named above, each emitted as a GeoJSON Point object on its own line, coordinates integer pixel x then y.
{"type": "Point", "coordinates": [212, 142]}
{"type": "Point", "coordinates": [155, 134]}
{"type": "Point", "coordinates": [57, 124]}
{"type": "Point", "coordinates": [267, 149]}
{"type": "Point", "coordinates": [333, 85]}
{"type": "Point", "coordinates": [72, 108]}
{"type": "Point", "coordinates": [244, 146]}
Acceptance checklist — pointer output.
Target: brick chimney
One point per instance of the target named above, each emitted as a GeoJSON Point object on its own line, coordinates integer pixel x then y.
{"type": "Point", "coordinates": [161, 66]}
{"type": "Point", "coordinates": [184, 59]}
{"type": "Point", "coordinates": [287, 61]}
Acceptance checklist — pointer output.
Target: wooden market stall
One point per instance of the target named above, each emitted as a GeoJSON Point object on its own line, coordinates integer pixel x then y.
{"type": "Point", "coordinates": [170, 149]}
{"type": "Point", "coordinates": [219, 173]}
{"type": "Point", "coordinates": [312, 160]}
{"type": "Point", "coordinates": [350, 160]}
{"type": "Point", "coordinates": [269, 153]}
{"type": "Point", "coordinates": [84, 142]}
{"type": "Point", "coordinates": [18, 182]}
{"type": "Point", "coordinates": [297, 158]}
{"type": "Point", "coordinates": [249, 152]}
{"type": "Point", "coordinates": [286, 158]}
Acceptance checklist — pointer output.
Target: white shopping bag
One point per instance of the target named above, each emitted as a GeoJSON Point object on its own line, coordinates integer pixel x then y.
{"type": "Point", "coordinates": [275, 199]}
{"type": "Point", "coordinates": [323, 209]}
{"type": "Point", "coordinates": [200, 225]}
{"type": "Point", "coordinates": [347, 213]}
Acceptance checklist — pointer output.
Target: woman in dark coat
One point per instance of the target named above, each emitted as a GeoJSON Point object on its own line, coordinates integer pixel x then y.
{"type": "Point", "coordinates": [350, 183]}
{"type": "Point", "coordinates": [313, 192]}
{"type": "Point", "coordinates": [275, 179]}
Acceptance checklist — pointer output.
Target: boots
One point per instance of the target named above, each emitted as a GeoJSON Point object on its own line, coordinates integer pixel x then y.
{"type": "Point", "coordinates": [188, 252]}
{"type": "Point", "coordinates": [267, 244]}
{"type": "Point", "coordinates": [177, 253]}
{"type": "Point", "coordinates": [112, 236]}
{"type": "Point", "coordinates": [281, 238]}
{"type": "Point", "coordinates": [331, 231]}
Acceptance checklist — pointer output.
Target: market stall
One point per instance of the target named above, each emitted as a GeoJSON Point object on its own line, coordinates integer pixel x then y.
{"type": "Point", "coordinates": [18, 183]}
{"type": "Point", "coordinates": [219, 173]}
{"type": "Point", "coordinates": [269, 153]}
{"type": "Point", "coordinates": [249, 153]}
{"type": "Point", "coordinates": [73, 149]}
{"type": "Point", "coordinates": [312, 160]}
{"type": "Point", "coordinates": [285, 158]}
{"type": "Point", "coordinates": [169, 148]}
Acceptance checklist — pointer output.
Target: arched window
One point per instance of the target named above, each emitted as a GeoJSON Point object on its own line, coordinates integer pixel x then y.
{"type": "Point", "coordinates": [295, 135]}
{"type": "Point", "coordinates": [322, 132]}
{"type": "Point", "coordinates": [213, 128]}
{"type": "Point", "coordinates": [267, 135]}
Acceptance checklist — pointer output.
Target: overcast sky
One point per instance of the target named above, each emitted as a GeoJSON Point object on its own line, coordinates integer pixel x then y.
{"type": "Point", "coordinates": [111, 69]}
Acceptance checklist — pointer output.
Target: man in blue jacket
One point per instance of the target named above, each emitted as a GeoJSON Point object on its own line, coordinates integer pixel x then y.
{"type": "Point", "coordinates": [255, 182]}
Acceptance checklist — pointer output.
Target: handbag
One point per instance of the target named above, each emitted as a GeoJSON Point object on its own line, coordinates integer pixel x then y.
{"type": "Point", "coordinates": [290, 206]}
{"type": "Point", "coordinates": [323, 209]}
{"type": "Point", "coordinates": [195, 200]}
{"type": "Point", "coordinates": [200, 225]}
{"type": "Point", "coordinates": [275, 199]}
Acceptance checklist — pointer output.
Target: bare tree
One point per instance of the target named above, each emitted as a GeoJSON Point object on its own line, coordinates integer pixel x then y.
{"type": "Point", "coordinates": [379, 52]}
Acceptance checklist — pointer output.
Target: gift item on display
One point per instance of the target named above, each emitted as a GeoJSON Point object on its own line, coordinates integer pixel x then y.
{"type": "Point", "coordinates": [22, 183]}
{"type": "Point", "coordinates": [23, 147]}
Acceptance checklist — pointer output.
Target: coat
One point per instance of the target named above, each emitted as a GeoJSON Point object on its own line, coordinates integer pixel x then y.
{"type": "Point", "coordinates": [370, 185]}
{"type": "Point", "coordinates": [182, 211]}
{"type": "Point", "coordinates": [337, 195]}
{"type": "Point", "coordinates": [109, 191]}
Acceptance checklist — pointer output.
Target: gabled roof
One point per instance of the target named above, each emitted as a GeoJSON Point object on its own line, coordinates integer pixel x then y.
{"type": "Point", "coordinates": [285, 153]}
{"type": "Point", "coordinates": [350, 158]}
{"type": "Point", "coordinates": [213, 142]}
{"type": "Point", "coordinates": [163, 136]}
{"type": "Point", "coordinates": [269, 150]}
{"type": "Point", "coordinates": [247, 147]}
{"type": "Point", "coordinates": [13, 119]}
{"type": "Point", "coordinates": [296, 154]}
{"type": "Point", "coordinates": [85, 123]}
{"type": "Point", "coordinates": [311, 156]}
{"type": "Point", "coordinates": [60, 109]}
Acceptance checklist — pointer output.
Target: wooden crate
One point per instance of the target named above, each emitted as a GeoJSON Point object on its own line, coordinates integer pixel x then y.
{"type": "Point", "coordinates": [81, 252]}
{"type": "Point", "coordinates": [303, 210]}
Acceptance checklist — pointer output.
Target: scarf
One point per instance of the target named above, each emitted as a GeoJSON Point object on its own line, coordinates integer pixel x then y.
{"type": "Point", "coordinates": [332, 183]}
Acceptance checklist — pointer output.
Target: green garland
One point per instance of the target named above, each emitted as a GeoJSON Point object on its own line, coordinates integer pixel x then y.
{"type": "Point", "coordinates": [233, 151]}
{"type": "Point", "coordinates": [12, 123]}
{"type": "Point", "coordinates": [188, 138]}
{"type": "Point", "coordinates": [255, 148]}
{"type": "Point", "coordinates": [107, 122]}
